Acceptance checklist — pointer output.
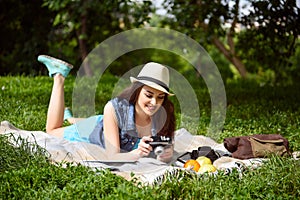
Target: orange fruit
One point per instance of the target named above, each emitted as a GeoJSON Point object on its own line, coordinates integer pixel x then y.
{"type": "Point", "coordinates": [192, 164]}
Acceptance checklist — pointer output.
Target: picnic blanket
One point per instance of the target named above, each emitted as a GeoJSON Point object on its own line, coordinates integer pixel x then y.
{"type": "Point", "coordinates": [146, 170]}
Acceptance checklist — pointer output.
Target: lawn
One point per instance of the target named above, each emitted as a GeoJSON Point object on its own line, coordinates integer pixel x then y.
{"type": "Point", "coordinates": [252, 109]}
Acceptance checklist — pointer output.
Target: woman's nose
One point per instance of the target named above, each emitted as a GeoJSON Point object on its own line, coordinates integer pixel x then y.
{"type": "Point", "coordinates": [153, 101]}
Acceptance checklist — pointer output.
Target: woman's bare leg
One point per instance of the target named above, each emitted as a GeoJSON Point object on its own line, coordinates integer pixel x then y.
{"type": "Point", "coordinates": [56, 107]}
{"type": "Point", "coordinates": [58, 69]}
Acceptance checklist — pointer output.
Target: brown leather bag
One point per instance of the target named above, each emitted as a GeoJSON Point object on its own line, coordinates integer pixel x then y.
{"type": "Point", "coordinates": [257, 146]}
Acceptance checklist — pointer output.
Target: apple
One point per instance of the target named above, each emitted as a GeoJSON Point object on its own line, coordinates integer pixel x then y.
{"type": "Point", "coordinates": [203, 160]}
{"type": "Point", "coordinates": [207, 168]}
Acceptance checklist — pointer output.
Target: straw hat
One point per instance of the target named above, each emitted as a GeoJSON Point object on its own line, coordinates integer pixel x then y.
{"type": "Point", "coordinates": [154, 75]}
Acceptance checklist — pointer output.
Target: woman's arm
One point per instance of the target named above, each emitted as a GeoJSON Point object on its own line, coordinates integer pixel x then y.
{"type": "Point", "coordinates": [112, 141]}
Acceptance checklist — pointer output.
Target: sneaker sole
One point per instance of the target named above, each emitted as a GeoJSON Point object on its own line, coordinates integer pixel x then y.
{"type": "Point", "coordinates": [57, 60]}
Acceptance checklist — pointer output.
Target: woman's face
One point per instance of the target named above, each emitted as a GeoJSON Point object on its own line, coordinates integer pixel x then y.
{"type": "Point", "coordinates": [150, 100]}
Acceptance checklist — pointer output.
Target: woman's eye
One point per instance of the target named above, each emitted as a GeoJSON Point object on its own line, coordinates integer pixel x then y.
{"type": "Point", "coordinates": [149, 95]}
{"type": "Point", "coordinates": [161, 97]}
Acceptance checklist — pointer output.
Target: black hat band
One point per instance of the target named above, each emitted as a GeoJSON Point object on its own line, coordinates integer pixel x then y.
{"type": "Point", "coordinates": [154, 81]}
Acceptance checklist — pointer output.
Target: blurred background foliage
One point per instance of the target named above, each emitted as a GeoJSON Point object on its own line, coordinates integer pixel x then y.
{"type": "Point", "coordinates": [247, 39]}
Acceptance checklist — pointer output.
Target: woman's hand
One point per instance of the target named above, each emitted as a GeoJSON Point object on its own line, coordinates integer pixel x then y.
{"type": "Point", "coordinates": [144, 149]}
{"type": "Point", "coordinates": [167, 155]}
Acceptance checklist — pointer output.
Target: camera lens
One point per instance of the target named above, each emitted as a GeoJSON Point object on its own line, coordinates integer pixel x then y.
{"type": "Point", "coordinates": [159, 150]}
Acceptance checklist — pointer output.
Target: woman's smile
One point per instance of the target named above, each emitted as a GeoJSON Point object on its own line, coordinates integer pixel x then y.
{"type": "Point", "coordinates": [151, 108]}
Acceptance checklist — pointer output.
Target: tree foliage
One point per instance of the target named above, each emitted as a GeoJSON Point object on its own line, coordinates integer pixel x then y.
{"type": "Point", "coordinates": [67, 29]}
{"type": "Point", "coordinates": [254, 36]}
{"type": "Point", "coordinates": [87, 22]}
{"type": "Point", "coordinates": [243, 31]}
{"type": "Point", "coordinates": [24, 34]}
{"type": "Point", "coordinates": [271, 36]}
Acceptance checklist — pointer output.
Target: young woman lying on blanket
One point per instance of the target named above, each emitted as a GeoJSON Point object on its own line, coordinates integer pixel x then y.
{"type": "Point", "coordinates": [128, 121]}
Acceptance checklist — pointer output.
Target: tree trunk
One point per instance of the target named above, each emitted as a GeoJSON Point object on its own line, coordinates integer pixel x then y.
{"type": "Point", "coordinates": [81, 35]}
{"type": "Point", "coordinates": [231, 57]}
{"type": "Point", "coordinates": [230, 53]}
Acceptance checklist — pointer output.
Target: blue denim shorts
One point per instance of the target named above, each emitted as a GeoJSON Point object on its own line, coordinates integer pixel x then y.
{"type": "Point", "coordinates": [81, 130]}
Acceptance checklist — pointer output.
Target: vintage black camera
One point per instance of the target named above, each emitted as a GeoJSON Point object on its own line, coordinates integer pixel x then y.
{"type": "Point", "coordinates": [159, 143]}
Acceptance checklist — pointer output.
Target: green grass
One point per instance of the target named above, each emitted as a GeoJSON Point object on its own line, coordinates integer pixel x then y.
{"type": "Point", "coordinates": [26, 173]}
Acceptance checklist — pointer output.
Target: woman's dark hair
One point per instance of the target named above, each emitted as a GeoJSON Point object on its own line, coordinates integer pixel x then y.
{"type": "Point", "coordinates": [164, 118]}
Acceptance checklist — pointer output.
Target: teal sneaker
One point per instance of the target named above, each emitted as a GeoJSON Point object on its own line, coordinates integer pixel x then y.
{"type": "Point", "coordinates": [67, 114]}
{"type": "Point", "coordinates": [55, 65]}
